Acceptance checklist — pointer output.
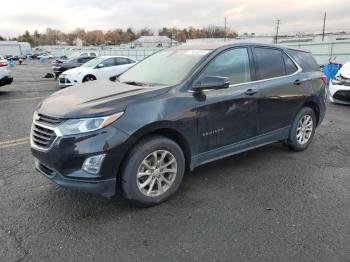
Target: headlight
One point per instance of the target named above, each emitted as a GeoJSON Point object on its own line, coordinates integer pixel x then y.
{"type": "Point", "coordinates": [83, 125]}
{"type": "Point", "coordinates": [338, 80]}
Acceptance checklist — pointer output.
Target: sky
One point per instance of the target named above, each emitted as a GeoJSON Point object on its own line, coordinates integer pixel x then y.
{"type": "Point", "coordinates": [242, 15]}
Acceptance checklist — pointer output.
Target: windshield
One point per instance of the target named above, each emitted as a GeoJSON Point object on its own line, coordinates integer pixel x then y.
{"type": "Point", "coordinates": [168, 67]}
{"type": "Point", "coordinates": [93, 62]}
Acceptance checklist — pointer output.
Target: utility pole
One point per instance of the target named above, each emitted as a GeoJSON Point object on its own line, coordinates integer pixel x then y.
{"type": "Point", "coordinates": [225, 29]}
{"type": "Point", "coordinates": [278, 22]}
{"type": "Point", "coordinates": [324, 25]}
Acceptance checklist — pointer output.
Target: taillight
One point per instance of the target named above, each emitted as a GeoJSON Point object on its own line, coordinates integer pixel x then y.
{"type": "Point", "coordinates": [325, 80]}
{"type": "Point", "coordinates": [3, 63]}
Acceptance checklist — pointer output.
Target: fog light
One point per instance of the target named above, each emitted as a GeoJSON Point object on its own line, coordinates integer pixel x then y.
{"type": "Point", "coordinates": [93, 164]}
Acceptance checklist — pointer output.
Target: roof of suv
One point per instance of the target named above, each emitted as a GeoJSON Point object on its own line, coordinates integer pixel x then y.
{"type": "Point", "coordinates": [212, 46]}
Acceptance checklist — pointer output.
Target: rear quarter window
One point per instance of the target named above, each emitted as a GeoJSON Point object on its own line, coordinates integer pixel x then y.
{"type": "Point", "coordinates": [290, 65]}
{"type": "Point", "coordinates": [305, 60]}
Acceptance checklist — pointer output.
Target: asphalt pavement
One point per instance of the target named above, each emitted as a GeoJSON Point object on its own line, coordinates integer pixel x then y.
{"type": "Point", "coordinates": [268, 204]}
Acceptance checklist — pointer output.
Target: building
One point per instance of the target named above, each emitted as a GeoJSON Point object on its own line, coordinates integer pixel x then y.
{"type": "Point", "coordinates": [14, 48]}
{"type": "Point", "coordinates": [154, 42]}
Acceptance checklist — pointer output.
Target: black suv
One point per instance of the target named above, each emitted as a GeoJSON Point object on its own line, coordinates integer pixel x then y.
{"type": "Point", "coordinates": [175, 110]}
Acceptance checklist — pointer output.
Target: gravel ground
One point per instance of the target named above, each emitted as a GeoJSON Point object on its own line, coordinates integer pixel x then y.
{"type": "Point", "coordinates": [268, 204]}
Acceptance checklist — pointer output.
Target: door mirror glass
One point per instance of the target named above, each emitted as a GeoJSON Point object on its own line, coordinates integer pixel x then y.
{"type": "Point", "coordinates": [211, 82]}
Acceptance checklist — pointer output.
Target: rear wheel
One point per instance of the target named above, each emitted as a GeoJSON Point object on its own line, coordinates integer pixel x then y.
{"type": "Point", "coordinates": [153, 171]}
{"type": "Point", "coordinates": [302, 130]}
{"type": "Point", "coordinates": [89, 78]}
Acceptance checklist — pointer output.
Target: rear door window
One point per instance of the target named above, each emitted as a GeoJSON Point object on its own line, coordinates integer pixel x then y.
{"type": "Point", "coordinates": [269, 63]}
{"type": "Point", "coordinates": [233, 64]}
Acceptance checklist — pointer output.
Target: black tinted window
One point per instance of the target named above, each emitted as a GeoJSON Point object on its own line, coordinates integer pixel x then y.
{"type": "Point", "coordinates": [122, 61]}
{"type": "Point", "coordinates": [233, 64]}
{"type": "Point", "coordinates": [305, 60]}
{"type": "Point", "coordinates": [290, 66]}
{"type": "Point", "coordinates": [84, 60]}
{"type": "Point", "coordinates": [269, 63]}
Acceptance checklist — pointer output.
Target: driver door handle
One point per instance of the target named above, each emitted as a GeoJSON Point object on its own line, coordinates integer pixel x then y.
{"type": "Point", "coordinates": [251, 92]}
{"type": "Point", "coordinates": [297, 82]}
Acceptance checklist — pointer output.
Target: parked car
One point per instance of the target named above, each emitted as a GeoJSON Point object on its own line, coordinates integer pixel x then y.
{"type": "Point", "coordinates": [5, 77]}
{"type": "Point", "coordinates": [72, 63]}
{"type": "Point", "coordinates": [45, 55]}
{"type": "Point", "coordinates": [339, 86]}
{"type": "Point", "coordinates": [102, 67]}
{"type": "Point", "coordinates": [64, 58]}
{"type": "Point", "coordinates": [3, 61]}
{"type": "Point", "coordinates": [177, 109]}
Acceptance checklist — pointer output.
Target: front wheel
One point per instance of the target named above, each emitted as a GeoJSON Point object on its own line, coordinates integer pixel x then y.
{"type": "Point", "coordinates": [302, 130]}
{"type": "Point", "coordinates": [89, 78]}
{"type": "Point", "coordinates": [153, 171]}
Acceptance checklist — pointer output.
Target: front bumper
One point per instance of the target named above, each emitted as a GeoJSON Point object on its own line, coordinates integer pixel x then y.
{"type": "Point", "coordinates": [64, 81]}
{"type": "Point", "coordinates": [339, 93]}
{"type": "Point", "coordinates": [62, 162]}
{"type": "Point", "coordinates": [106, 188]}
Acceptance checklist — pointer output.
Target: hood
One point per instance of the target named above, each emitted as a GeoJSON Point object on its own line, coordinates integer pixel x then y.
{"type": "Point", "coordinates": [95, 98]}
{"type": "Point", "coordinates": [75, 70]}
{"type": "Point", "coordinates": [345, 70]}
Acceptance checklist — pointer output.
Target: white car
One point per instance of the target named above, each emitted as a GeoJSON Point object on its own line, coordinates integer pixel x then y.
{"type": "Point", "coordinates": [45, 55]}
{"type": "Point", "coordinates": [339, 86]}
{"type": "Point", "coordinates": [5, 77]}
{"type": "Point", "coordinates": [102, 67]}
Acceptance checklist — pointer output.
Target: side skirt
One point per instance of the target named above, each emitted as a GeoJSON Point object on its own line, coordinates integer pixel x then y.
{"type": "Point", "coordinates": [238, 147]}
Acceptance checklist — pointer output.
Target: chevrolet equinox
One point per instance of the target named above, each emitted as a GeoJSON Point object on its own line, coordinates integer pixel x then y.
{"type": "Point", "coordinates": [182, 107]}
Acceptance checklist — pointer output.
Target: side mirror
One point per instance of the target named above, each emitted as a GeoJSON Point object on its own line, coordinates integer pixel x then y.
{"type": "Point", "coordinates": [211, 82]}
{"type": "Point", "coordinates": [100, 66]}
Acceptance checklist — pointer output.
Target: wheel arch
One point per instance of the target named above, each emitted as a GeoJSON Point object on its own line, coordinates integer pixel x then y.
{"type": "Point", "coordinates": [314, 106]}
{"type": "Point", "coordinates": [89, 74]}
{"type": "Point", "coordinates": [163, 129]}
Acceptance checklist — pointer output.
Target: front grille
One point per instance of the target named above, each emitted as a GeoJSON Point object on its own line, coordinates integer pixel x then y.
{"type": "Point", "coordinates": [64, 80]}
{"type": "Point", "coordinates": [42, 137]}
{"type": "Point", "coordinates": [342, 96]}
{"type": "Point", "coordinates": [48, 120]}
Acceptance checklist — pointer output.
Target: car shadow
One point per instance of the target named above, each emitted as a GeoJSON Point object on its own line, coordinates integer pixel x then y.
{"type": "Point", "coordinates": [83, 205]}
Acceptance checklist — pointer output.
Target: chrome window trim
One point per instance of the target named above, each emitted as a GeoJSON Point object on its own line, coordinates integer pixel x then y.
{"type": "Point", "coordinates": [55, 129]}
{"type": "Point", "coordinates": [262, 80]}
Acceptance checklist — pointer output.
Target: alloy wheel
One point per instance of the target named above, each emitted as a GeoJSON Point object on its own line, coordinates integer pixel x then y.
{"type": "Point", "coordinates": [304, 129]}
{"type": "Point", "coordinates": [156, 173]}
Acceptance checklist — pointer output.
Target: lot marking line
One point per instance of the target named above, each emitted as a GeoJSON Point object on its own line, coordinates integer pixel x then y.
{"type": "Point", "coordinates": [15, 142]}
{"type": "Point", "coordinates": [22, 99]}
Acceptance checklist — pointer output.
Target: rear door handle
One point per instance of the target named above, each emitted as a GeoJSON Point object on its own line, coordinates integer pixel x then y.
{"type": "Point", "coordinates": [297, 82]}
{"type": "Point", "coordinates": [251, 92]}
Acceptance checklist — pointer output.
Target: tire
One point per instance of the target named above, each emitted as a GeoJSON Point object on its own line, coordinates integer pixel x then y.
{"type": "Point", "coordinates": [300, 135]}
{"type": "Point", "coordinates": [89, 78]}
{"type": "Point", "coordinates": [140, 168]}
